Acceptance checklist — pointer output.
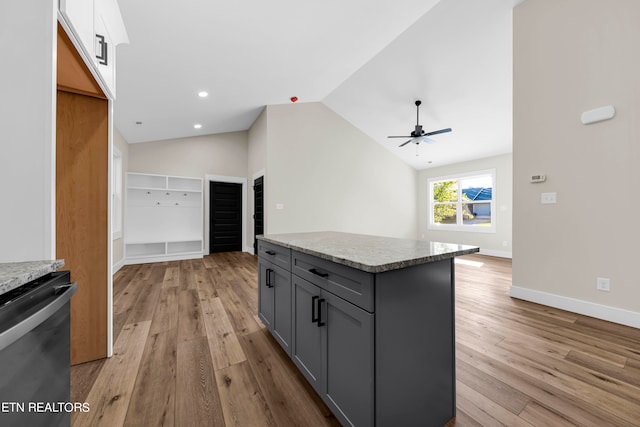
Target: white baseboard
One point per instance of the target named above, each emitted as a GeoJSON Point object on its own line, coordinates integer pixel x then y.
{"type": "Point", "coordinates": [117, 266]}
{"type": "Point", "coordinates": [163, 258]}
{"type": "Point", "coordinates": [249, 250]}
{"type": "Point", "coordinates": [499, 254]}
{"type": "Point", "coordinates": [599, 311]}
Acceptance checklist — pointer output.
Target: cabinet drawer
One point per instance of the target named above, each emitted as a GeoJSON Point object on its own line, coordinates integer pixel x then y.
{"type": "Point", "coordinates": [353, 285]}
{"type": "Point", "coordinates": [278, 255]}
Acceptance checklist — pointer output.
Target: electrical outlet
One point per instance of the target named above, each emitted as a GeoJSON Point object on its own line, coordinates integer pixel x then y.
{"type": "Point", "coordinates": [603, 284]}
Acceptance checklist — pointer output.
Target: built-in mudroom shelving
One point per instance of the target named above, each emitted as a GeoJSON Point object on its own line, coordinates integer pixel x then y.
{"type": "Point", "coordinates": [163, 218]}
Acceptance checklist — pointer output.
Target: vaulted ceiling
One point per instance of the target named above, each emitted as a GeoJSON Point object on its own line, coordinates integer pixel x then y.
{"type": "Point", "coordinates": [368, 61]}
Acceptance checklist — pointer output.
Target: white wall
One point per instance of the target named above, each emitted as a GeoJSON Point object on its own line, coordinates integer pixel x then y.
{"type": "Point", "coordinates": [27, 128]}
{"type": "Point", "coordinates": [490, 243]}
{"type": "Point", "coordinates": [257, 158]}
{"type": "Point", "coordinates": [118, 244]}
{"type": "Point", "coordinates": [571, 56]}
{"type": "Point", "coordinates": [328, 175]}
{"type": "Point", "coordinates": [221, 154]}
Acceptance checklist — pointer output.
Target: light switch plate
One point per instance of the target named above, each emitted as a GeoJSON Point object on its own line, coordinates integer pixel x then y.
{"type": "Point", "coordinates": [548, 198]}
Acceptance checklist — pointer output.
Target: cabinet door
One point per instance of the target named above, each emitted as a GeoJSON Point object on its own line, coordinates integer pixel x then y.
{"type": "Point", "coordinates": [307, 336]}
{"type": "Point", "coordinates": [265, 293]}
{"type": "Point", "coordinates": [80, 15]}
{"type": "Point", "coordinates": [104, 53]}
{"type": "Point", "coordinates": [348, 360]}
{"type": "Point", "coordinates": [281, 280]}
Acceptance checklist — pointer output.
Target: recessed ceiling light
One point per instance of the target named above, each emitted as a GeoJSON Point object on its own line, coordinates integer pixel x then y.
{"type": "Point", "coordinates": [197, 126]}
{"type": "Point", "coordinates": [203, 94]}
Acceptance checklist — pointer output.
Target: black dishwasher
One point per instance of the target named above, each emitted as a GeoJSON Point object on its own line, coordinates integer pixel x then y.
{"type": "Point", "coordinates": [34, 352]}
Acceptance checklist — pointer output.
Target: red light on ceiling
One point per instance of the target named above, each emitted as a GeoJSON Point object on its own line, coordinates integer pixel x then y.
{"type": "Point", "coordinates": [294, 98]}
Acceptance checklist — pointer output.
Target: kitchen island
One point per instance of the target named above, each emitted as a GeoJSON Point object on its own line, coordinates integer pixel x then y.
{"type": "Point", "coordinates": [369, 322]}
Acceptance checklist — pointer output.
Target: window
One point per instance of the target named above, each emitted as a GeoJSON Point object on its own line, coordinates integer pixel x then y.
{"type": "Point", "coordinates": [463, 202]}
{"type": "Point", "coordinates": [116, 195]}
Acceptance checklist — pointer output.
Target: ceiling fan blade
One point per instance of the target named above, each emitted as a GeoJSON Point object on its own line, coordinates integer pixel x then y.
{"type": "Point", "coordinates": [402, 145]}
{"type": "Point", "coordinates": [427, 140]}
{"type": "Point", "coordinates": [401, 136]}
{"type": "Point", "coordinates": [435, 132]}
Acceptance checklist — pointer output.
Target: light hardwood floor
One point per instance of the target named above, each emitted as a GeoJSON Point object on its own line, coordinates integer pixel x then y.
{"type": "Point", "coordinates": [190, 351]}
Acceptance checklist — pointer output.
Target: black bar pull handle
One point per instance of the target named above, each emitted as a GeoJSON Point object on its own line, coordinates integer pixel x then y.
{"type": "Point", "coordinates": [102, 57]}
{"type": "Point", "coordinates": [320, 322]}
{"type": "Point", "coordinates": [317, 273]}
{"type": "Point", "coordinates": [314, 317]}
{"type": "Point", "coordinates": [269, 283]}
{"type": "Point", "coordinates": [270, 253]}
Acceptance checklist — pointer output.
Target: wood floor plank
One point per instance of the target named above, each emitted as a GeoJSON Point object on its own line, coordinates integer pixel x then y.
{"type": "Point", "coordinates": [83, 377]}
{"type": "Point", "coordinates": [147, 300]}
{"type": "Point", "coordinates": [110, 395]}
{"type": "Point", "coordinates": [540, 416]}
{"type": "Point", "coordinates": [122, 278]}
{"type": "Point", "coordinates": [165, 316]}
{"type": "Point", "coordinates": [153, 396]}
{"type": "Point", "coordinates": [224, 344]}
{"type": "Point", "coordinates": [293, 403]}
{"type": "Point", "coordinates": [190, 324]}
{"type": "Point", "coordinates": [494, 389]}
{"type": "Point", "coordinates": [197, 397]}
{"type": "Point", "coordinates": [242, 401]}
{"type": "Point", "coordinates": [484, 410]}
{"type": "Point", "coordinates": [126, 299]}
{"type": "Point", "coordinates": [171, 277]}
{"type": "Point", "coordinates": [240, 314]}
{"type": "Point", "coordinates": [205, 286]}
{"type": "Point", "coordinates": [187, 277]}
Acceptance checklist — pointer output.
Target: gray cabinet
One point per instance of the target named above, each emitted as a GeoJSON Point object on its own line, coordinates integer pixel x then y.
{"type": "Point", "coordinates": [306, 350]}
{"type": "Point", "coordinates": [274, 300]}
{"type": "Point", "coordinates": [347, 350]}
{"type": "Point", "coordinates": [333, 348]}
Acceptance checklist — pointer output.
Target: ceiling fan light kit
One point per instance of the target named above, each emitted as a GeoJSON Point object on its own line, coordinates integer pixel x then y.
{"type": "Point", "coordinates": [418, 135]}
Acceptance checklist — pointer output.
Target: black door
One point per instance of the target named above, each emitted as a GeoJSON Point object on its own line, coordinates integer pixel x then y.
{"type": "Point", "coordinates": [258, 210]}
{"type": "Point", "coordinates": [225, 217]}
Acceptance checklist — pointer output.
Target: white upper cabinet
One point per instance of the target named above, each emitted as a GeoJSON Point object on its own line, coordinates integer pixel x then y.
{"type": "Point", "coordinates": [80, 15]}
{"type": "Point", "coordinates": [98, 27]}
{"type": "Point", "coordinates": [110, 32]}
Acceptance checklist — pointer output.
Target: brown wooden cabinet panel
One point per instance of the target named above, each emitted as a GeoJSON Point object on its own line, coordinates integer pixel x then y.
{"type": "Point", "coordinates": [82, 178]}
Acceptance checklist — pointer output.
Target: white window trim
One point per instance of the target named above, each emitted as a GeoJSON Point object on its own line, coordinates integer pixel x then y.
{"type": "Point", "coordinates": [455, 227]}
{"type": "Point", "coordinates": [117, 191]}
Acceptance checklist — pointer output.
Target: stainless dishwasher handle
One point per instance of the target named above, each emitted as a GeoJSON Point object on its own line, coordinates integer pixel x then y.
{"type": "Point", "coordinates": [16, 332]}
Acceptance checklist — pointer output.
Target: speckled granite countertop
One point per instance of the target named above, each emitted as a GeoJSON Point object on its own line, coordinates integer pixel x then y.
{"type": "Point", "coordinates": [15, 274]}
{"type": "Point", "coordinates": [372, 254]}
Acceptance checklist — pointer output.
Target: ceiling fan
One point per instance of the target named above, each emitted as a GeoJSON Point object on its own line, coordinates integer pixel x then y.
{"type": "Point", "coordinates": [418, 135]}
